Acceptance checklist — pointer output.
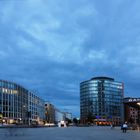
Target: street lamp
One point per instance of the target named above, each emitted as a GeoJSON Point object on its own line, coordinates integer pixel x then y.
{"type": "Point", "coordinates": [29, 117]}
{"type": "Point", "coordinates": [26, 114]}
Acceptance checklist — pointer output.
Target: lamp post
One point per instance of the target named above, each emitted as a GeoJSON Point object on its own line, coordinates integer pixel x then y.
{"type": "Point", "coordinates": [24, 114]}
{"type": "Point", "coordinates": [138, 113]}
{"type": "Point", "coordinates": [29, 116]}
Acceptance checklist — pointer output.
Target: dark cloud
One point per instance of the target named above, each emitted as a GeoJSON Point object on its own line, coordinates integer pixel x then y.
{"type": "Point", "coordinates": [50, 46]}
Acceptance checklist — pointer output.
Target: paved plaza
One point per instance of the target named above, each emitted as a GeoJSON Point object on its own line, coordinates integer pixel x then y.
{"type": "Point", "coordinates": [70, 133]}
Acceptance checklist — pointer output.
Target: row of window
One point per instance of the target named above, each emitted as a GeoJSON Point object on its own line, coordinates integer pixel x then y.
{"type": "Point", "coordinates": [14, 98]}
{"type": "Point", "coordinates": [113, 85]}
{"type": "Point", "coordinates": [108, 91]}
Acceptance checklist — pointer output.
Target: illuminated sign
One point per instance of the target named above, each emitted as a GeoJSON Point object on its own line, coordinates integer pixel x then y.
{"type": "Point", "coordinates": [134, 100]}
{"type": "Point", "coordinates": [9, 91]}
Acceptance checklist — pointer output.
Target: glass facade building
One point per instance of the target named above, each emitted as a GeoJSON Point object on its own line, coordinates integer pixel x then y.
{"type": "Point", "coordinates": [36, 108]}
{"type": "Point", "coordinates": [15, 104]}
{"type": "Point", "coordinates": [101, 100]}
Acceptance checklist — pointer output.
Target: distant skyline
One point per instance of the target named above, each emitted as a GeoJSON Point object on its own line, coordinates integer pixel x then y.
{"type": "Point", "coordinates": [50, 46]}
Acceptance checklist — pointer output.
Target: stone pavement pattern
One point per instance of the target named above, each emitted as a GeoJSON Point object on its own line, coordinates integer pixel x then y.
{"type": "Point", "coordinates": [70, 133]}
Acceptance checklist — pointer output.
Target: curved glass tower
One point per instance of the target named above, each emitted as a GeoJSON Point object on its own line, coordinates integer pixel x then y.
{"type": "Point", "coordinates": [101, 100]}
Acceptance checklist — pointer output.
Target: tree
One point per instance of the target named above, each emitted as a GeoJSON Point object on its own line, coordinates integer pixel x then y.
{"type": "Point", "coordinates": [75, 121]}
{"type": "Point", "coordinates": [90, 117]}
{"type": "Point", "coordinates": [68, 120]}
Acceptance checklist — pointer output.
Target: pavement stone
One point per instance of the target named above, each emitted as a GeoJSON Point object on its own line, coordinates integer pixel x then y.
{"type": "Point", "coordinates": [69, 133]}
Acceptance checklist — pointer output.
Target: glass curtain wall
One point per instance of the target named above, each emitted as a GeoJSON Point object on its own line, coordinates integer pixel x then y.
{"type": "Point", "coordinates": [101, 98]}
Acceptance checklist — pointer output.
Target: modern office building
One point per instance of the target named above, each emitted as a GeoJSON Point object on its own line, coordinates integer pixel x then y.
{"type": "Point", "coordinates": [13, 102]}
{"type": "Point", "coordinates": [101, 100]}
{"type": "Point", "coordinates": [18, 105]}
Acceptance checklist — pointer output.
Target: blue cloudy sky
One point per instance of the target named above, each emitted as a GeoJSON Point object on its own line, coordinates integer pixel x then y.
{"type": "Point", "coordinates": [50, 46]}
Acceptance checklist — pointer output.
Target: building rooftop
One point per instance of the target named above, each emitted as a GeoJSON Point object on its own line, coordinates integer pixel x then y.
{"type": "Point", "coordinates": [102, 78]}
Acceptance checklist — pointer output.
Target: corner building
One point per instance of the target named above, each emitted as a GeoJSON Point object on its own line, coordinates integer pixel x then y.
{"type": "Point", "coordinates": [101, 100]}
{"type": "Point", "coordinates": [132, 111]}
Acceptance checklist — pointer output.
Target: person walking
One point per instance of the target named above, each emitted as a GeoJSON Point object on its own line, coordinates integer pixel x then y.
{"type": "Point", "coordinates": [112, 125]}
{"type": "Point", "coordinates": [124, 127]}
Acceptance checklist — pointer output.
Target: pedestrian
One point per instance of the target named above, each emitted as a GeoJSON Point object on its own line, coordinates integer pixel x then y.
{"type": "Point", "coordinates": [124, 127]}
{"type": "Point", "coordinates": [112, 126]}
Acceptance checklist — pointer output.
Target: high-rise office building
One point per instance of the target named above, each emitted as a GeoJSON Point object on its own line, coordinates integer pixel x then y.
{"type": "Point", "coordinates": [101, 101]}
